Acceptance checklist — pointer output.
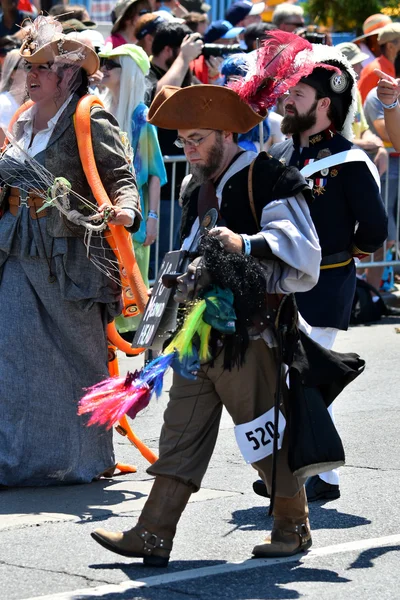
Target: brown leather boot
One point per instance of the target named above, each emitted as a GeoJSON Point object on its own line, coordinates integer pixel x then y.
{"type": "Point", "coordinates": [151, 539]}
{"type": "Point", "coordinates": [291, 529]}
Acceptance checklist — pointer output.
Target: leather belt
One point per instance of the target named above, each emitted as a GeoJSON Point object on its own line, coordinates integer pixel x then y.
{"type": "Point", "coordinates": [31, 199]}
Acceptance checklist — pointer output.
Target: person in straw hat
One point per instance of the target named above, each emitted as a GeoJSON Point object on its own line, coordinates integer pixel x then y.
{"type": "Point", "coordinates": [53, 342]}
{"type": "Point", "coordinates": [389, 43]}
{"type": "Point", "coordinates": [262, 216]}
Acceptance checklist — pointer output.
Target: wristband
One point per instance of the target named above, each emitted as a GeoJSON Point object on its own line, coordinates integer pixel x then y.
{"type": "Point", "coordinates": [152, 214]}
{"type": "Point", "coordinates": [389, 106]}
{"type": "Point", "coordinates": [246, 244]}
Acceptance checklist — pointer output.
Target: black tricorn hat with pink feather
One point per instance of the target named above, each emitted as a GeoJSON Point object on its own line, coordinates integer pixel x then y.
{"type": "Point", "coordinates": [279, 64]}
{"type": "Point", "coordinates": [284, 60]}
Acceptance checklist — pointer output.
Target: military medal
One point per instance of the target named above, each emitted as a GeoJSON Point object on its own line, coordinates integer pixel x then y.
{"type": "Point", "coordinates": [319, 186]}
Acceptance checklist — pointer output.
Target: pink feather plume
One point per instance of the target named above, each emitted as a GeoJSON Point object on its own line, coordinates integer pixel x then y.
{"type": "Point", "coordinates": [276, 70]}
{"type": "Point", "coordinates": [109, 400]}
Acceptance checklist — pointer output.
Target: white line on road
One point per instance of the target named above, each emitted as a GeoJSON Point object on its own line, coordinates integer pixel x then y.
{"type": "Point", "coordinates": [168, 578]}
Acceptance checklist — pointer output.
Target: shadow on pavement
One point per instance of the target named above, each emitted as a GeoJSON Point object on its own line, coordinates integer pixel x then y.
{"type": "Point", "coordinates": [364, 560]}
{"type": "Point", "coordinates": [263, 583]}
{"type": "Point", "coordinates": [89, 502]}
{"type": "Point", "coordinates": [256, 519]}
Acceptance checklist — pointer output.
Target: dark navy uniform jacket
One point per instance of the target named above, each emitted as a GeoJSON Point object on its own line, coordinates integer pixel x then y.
{"type": "Point", "coordinates": [348, 214]}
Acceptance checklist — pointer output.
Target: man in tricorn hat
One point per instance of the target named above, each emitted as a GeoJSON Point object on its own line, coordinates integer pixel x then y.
{"type": "Point", "coordinates": [263, 212]}
{"type": "Point", "coordinates": [348, 212]}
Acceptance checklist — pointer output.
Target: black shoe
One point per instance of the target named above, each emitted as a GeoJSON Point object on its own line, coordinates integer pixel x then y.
{"type": "Point", "coordinates": [317, 489]}
{"type": "Point", "coordinates": [260, 488]}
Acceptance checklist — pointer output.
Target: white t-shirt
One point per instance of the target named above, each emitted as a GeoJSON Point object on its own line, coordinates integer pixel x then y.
{"type": "Point", "coordinates": [8, 106]}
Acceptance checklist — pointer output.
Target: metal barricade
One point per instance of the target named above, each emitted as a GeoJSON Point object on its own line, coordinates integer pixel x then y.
{"type": "Point", "coordinates": [172, 160]}
{"type": "Point", "coordinates": [388, 184]}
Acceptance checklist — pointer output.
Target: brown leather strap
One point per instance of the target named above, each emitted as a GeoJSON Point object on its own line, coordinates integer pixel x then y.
{"type": "Point", "coordinates": [207, 199]}
{"type": "Point", "coordinates": [251, 194]}
{"type": "Point", "coordinates": [33, 201]}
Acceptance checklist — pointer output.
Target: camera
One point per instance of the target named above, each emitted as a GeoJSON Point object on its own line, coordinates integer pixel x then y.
{"type": "Point", "coordinates": [220, 50]}
{"type": "Point", "coordinates": [312, 35]}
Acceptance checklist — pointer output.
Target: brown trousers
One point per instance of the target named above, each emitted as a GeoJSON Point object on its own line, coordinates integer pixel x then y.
{"type": "Point", "coordinates": [192, 417]}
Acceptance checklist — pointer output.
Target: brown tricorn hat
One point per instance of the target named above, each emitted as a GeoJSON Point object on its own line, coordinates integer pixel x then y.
{"type": "Point", "coordinates": [202, 107]}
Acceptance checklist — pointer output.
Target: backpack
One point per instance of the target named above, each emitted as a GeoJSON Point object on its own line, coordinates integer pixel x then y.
{"type": "Point", "coordinates": [365, 309]}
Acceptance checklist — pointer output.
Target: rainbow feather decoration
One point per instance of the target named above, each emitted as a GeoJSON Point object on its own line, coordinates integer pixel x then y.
{"type": "Point", "coordinates": [109, 400]}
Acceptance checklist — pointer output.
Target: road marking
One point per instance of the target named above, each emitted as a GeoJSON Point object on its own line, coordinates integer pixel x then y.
{"type": "Point", "coordinates": [190, 574]}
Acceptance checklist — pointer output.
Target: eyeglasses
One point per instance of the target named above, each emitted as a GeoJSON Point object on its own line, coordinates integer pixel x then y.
{"type": "Point", "coordinates": [109, 64]}
{"type": "Point", "coordinates": [181, 143]}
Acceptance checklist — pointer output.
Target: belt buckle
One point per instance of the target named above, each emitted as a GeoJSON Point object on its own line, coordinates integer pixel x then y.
{"type": "Point", "coordinates": [23, 198]}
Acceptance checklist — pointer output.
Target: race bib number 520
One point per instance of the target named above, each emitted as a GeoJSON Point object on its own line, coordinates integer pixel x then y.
{"type": "Point", "coordinates": [255, 439]}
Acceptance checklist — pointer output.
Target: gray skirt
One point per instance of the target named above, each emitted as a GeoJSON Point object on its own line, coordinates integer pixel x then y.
{"type": "Point", "coordinates": [50, 349]}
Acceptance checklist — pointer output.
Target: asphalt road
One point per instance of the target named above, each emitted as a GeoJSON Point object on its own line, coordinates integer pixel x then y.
{"type": "Point", "coordinates": [46, 550]}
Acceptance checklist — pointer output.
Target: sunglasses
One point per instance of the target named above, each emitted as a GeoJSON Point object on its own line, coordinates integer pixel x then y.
{"type": "Point", "coordinates": [108, 64]}
{"type": "Point", "coordinates": [294, 24]}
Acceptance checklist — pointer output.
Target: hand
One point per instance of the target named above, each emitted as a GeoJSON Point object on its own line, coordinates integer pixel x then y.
{"type": "Point", "coordinates": [96, 78]}
{"type": "Point", "coordinates": [191, 47]}
{"type": "Point", "coordinates": [119, 216]}
{"type": "Point", "coordinates": [382, 160]}
{"type": "Point", "coordinates": [232, 242]}
{"type": "Point", "coordinates": [214, 63]}
{"type": "Point", "coordinates": [151, 232]}
{"type": "Point", "coordinates": [388, 89]}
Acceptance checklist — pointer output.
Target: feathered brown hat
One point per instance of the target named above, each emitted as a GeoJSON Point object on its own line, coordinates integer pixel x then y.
{"type": "Point", "coordinates": [202, 107]}
{"type": "Point", "coordinates": [44, 42]}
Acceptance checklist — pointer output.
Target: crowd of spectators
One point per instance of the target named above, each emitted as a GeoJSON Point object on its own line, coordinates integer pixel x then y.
{"type": "Point", "coordinates": [178, 45]}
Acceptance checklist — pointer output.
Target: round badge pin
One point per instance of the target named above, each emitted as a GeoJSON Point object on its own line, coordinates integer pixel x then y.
{"type": "Point", "coordinates": [339, 82]}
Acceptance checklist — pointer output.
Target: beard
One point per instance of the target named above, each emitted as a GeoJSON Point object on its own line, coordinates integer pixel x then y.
{"type": "Point", "coordinates": [298, 123]}
{"type": "Point", "coordinates": [203, 173]}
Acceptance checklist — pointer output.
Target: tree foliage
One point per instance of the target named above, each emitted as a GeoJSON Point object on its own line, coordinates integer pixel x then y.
{"type": "Point", "coordinates": [346, 15]}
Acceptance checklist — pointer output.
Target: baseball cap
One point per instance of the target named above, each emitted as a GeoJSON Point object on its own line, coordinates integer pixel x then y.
{"type": "Point", "coordinates": [195, 6]}
{"type": "Point", "coordinates": [352, 52]}
{"type": "Point", "coordinates": [389, 33]}
{"type": "Point", "coordinates": [221, 29]}
{"type": "Point", "coordinates": [241, 10]}
{"type": "Point", "coordinates": [149, 27]}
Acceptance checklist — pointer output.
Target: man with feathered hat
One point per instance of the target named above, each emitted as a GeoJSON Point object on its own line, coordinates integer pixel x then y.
{"type": "Point", "coordinates": [347, 211]}
{"type": "Point", "coordinates": [262, 249]}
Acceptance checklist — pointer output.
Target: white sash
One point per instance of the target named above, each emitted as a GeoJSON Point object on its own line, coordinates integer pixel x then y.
{"type": "Point", "coordinates": [352, 155]}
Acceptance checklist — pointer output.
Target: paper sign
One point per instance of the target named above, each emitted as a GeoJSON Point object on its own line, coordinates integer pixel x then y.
{"type": "Point", "coordinates": [255, 439]}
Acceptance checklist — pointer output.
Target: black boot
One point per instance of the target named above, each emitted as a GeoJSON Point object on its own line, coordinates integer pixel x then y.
{"type": "Point", "coordinates": [318, 489]}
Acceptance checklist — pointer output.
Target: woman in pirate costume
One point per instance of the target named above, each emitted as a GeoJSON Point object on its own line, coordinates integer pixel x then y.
{"type": "Point", "coordinates": [55, 301]}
